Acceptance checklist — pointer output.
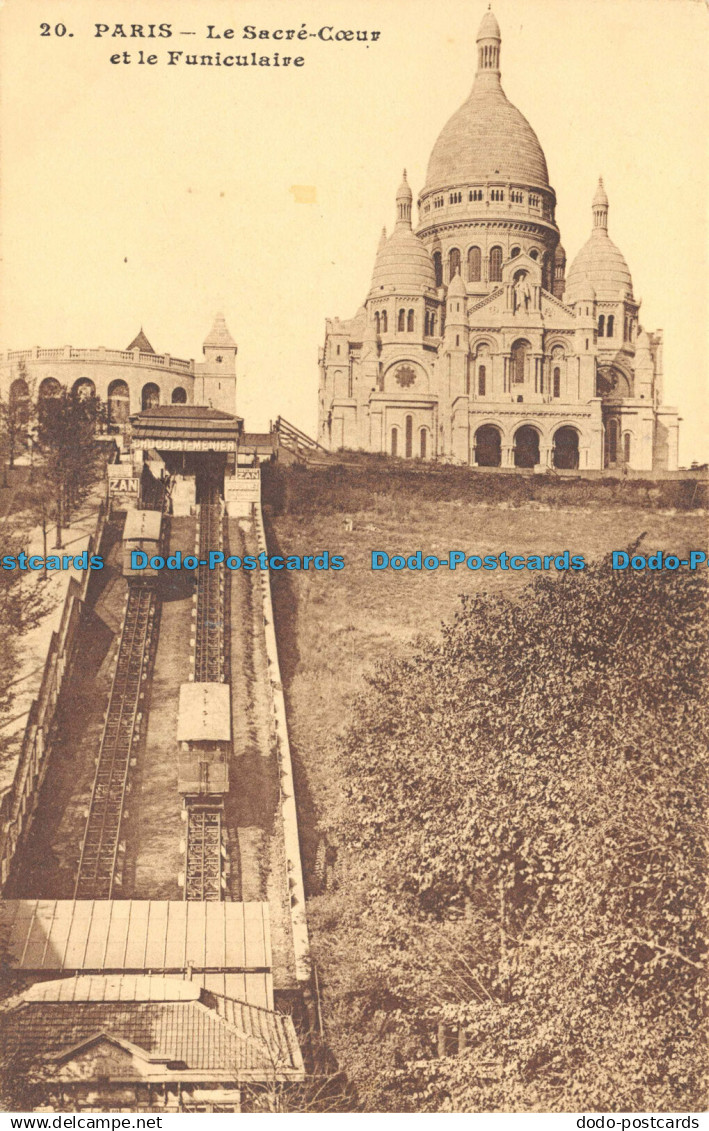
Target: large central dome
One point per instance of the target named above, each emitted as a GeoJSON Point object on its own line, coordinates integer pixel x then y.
{"type": "Point", "coordinates": [487, 138]}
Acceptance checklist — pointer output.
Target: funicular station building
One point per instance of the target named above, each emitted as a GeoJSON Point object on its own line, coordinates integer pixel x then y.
{"type": "Point", "coordinates": [152, 911]}
{"type": "Point", "coordinates": [475, 345]}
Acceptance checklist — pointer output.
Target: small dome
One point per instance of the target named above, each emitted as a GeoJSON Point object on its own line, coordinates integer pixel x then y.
{"type": "Point", "coordinates": [489, 27]}
{"type": "Point", "coordinates": [559, 254]}
{"type": "Point", "coordinates": [599, 261]}
{"type": "Point", "coordinates": [600, 264]}
{"type": "Point", "coordinates": [403, 263]}
{"type": "Point", "coordinates": [643, 341]}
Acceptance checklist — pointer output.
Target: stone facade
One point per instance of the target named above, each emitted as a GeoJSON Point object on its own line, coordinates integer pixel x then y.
{"type": "Point", "coordinates": [473, 345]}
{"type": "Point", "coordinates": [128, 380]}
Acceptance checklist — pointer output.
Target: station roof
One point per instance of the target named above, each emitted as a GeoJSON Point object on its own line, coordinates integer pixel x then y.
{"type": "Point", "coordinates": [178, 1031]}
{"type": "Point", "coordinates": [180, 423]}
{"type": "Point", "coordinates": [142, 524]}
{"type": "Point", "coordinates": [204, 713]}
{"type": "Point", "coordinates": [227, 945]}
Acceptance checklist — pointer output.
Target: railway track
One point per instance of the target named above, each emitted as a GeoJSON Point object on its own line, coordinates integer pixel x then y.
{"type": "Point", "coordinates": [209, 640]}
{"type": "Point", "coordinates": [203, 853]}
{"type": "Point", "coordinates": [203, 844]}
{"type": "Point", "coordinates": [99, 863]}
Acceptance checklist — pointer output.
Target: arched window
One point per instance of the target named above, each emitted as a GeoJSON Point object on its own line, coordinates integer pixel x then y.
{"type": "Point", "coordinates": [20, 400]}
{"type": "Point", "coordinates": [518, 362]}
{"type": "Point", "coordinates": [394, 441]}
{"type": "Point", "coordinates": [424, 443]}
{"type": "Point", "coordinates": [612, 434]}
{"type": "Point", "coordinates": [557, 381]}
{"type": "Point", "coordinates": [402, 321]}
{"type": "Point", "coordinates": [50, 387]}
{"type": "Point", "coordinates": [84, 388]}
{"type": "Point", "coordinates": [19, 390]}
{"type": "Point", "coordinates": [474, 265]}
{"type": "Point", "coordinates": [609, 328]}
{"type": "Point", "coordinates": [433, 325]}
{"type": "Point", "coordinates": [150, 396]}
{"type": "Point", "coordinates": [546, 272]}
{"type": "Point", "coordinates": [384, 321]}
{"type": "Point", "coordinates": [376, 323]}
{"type": "Point", "coordinates": [626, 447]}
{"type": "Point", "coordinates": [438, 268]}
{"type": "Point", "coordinates": [179, 396]}
{"type": "Point", "coordinates": [453, 263]}
{"type": "Point", "coordinates": [534, 254]}
{"type": "Point", "coordinates": [410, 322]}
{"type": "Point", "coordinates": [481, 380]}
{"type": "Point", "coordinates": [514, 253]}
{"type": "Point", "coordinates": [495, 264]}
{"type": "Point", "coordinates": [601, 325]}
{"type": "Point", "coordinates": [409, 436]}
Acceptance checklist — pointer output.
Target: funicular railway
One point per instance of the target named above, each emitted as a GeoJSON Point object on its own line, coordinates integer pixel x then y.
{"type": "Point", "coordinates": [204, 840]}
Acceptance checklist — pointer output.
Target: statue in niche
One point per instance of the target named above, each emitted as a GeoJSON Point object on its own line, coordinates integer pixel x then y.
{"type": "Point", "coordinates": [521, 292]}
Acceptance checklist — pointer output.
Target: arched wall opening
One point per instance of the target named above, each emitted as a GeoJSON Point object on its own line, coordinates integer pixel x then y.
{"type": "Point", "coordinates": [487, 451]}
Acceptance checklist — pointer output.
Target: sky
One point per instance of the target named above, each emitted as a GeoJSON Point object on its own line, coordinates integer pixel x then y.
{"type": "Point", "coordinates": [135, 194]}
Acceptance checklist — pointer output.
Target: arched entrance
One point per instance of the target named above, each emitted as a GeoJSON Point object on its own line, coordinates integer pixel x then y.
{"type": "Point", "coordinates": [423, 444]}
{"type": "Point", "coordinates": [488, 446]}
{"type": "Point", "coordinates": [84, 388]}
{"type": "Point", "coordinates": [566, 448]}
{"type": "Point", "coordinates": [179, 396]}
{"type": "Point", "coordinates": [118, 402]}
{"type": "Point", "coordinates": [150, 396]}
{"type": "Point", "coordinates": [526, 446]}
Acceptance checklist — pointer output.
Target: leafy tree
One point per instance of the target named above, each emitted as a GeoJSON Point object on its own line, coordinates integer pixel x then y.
{"type": "Point", "coordinates": [66, 430]}
{"type": "Point", "coordinates": [522, 861]}
{"type": "Point", "coordinates": [15, 417]}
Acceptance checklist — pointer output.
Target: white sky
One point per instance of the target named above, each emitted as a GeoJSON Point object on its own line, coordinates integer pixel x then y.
{"type": "Point", "coordinates": [156, 195]}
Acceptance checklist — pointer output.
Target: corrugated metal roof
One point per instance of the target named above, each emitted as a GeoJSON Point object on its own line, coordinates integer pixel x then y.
{"type": "Point", "coordinates": [142, 524]}
{"type": "Point", "coordinates": [231, 939]}
{"type": "Point", "coordinates": [177, 412]}
{"type": "Point", "coordinates": [114, 987]}
{"type": "Point", "coordinates": [204, 713]}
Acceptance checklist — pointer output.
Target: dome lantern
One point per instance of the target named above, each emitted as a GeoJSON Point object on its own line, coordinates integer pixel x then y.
{"type": "Point", "coordinates": [600, 206]}
{"type": "Point", "coordinates": [488, 41]}
{"type": "Point", "coordinates": [404, 198]}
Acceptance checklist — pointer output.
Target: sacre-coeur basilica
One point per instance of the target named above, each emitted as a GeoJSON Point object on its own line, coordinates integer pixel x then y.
{"type": "Point", "coordinates": [476, 344]}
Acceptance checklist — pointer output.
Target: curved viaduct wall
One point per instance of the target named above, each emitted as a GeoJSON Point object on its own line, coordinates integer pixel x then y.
{"type": "Point", "coordinates": [102, 367]}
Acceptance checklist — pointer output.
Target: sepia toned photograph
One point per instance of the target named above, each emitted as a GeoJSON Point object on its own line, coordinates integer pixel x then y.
{"type": "Point", "coordinates": [353, 590]}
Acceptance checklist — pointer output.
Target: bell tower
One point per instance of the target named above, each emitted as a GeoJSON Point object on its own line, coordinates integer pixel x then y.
{"type": "Point", "coordinates": [215, 386]}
